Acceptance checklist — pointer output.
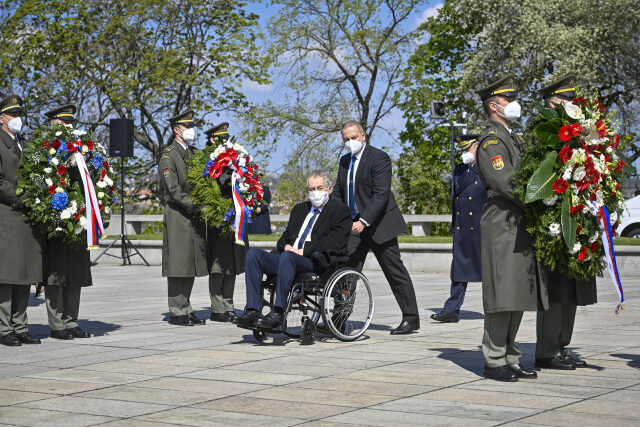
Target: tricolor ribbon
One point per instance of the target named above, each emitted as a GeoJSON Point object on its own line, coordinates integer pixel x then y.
{"type": "Point", "coordinates": [610, 255]}
{"type": "Point", "coordinates": [241, 210]}
{"type": "Point", "coordinates": [94, 221]}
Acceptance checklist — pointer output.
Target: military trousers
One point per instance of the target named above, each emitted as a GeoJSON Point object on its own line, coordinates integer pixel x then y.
{"type": "Point", "coordinates": [456, 298]}
{"type": "Point", "coordinates": [221, 287]}
{"type": "Point", "coordinates": [499, 339]}
{"type": "Point", "coordinates": [554, 329]}
{"type": "Point", "coordinates": [179, 290]}
{"type": "Point", "coordinates": [63, 305]}
{"type": "Point", "coordinates": [14, 300]}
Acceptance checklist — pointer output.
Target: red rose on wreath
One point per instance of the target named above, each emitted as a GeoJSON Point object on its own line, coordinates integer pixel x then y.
{"type": "Point", "coordinates": [582, 254]}
{"type": "Point", "coordinates": [566, 153]}
{"type": "Point", "coordinates": [560, 186]}
{"type": "Point", "coordinates": [593, 246]}
{"type": "Point", "coordinates": [62, 170]}
{"type": "Point", "coordinates": [56, 144]}
{"type": "Point", "coordinates": [51, 189]}
{"type": "Point", "coordinates": [578, 229]}
{"type": "Point", "coordinates": [620, 166]}
{"type": "Point", "coordinates": [90, 144]}
{"type": "Point", "coordinates": [575, 210]}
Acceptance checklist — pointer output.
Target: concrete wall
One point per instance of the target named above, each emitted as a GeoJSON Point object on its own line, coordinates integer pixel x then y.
{"type": "Point", "coordinates": [417, 257]}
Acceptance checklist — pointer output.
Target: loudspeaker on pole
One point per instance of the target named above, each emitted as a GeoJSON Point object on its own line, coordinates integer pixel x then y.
{"type": "Point", "coordinates": [121, 138]}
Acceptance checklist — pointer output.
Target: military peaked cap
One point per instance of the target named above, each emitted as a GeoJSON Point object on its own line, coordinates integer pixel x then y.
{"type": "Point", "coordinates": [220, 129]}
{"type": "Point", "coordinates": [565, 88]}
{"type": "Point", "coordinates": [502, 87]}
{"type": "Point", "coordinates": [465, 141]}
{"type": "Point", "coordinates": [11, 104]}
{"type": "Point", "coordinates": [65, 113]}
{"type": "Point", "coordinates": [185, 118]}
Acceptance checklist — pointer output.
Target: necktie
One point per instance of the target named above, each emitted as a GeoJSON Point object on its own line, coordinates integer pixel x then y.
{"type": "Point", "coordinates": [308, 228]}
{"type": "Point", "coordinates": [352, 196]}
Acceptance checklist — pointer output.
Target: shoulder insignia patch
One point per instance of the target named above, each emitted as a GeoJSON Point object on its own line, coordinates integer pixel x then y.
{"type": "Point", "coordinates": [492, 132]}
{"type": "Point", "coordinates": [497, 162]}
{"type": "Point", "coordinates": [165, 156]}
{"type": "Point", "coordinates": [488, 143]}
{"type": "Point", "coordinates": [169, 148]}
{"type": "Point", "coordinates": [165, 171]}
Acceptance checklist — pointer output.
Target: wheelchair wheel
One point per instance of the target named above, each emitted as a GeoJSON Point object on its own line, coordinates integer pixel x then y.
{"type": "Point", "coordinates": [347, 307]}
{"type": "Point", "coordinates": [260, 335]}
{"type": "Point", "coordinates": [296, 304]}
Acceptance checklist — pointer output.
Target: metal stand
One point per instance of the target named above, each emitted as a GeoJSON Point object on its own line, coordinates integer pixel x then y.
{"type": "Point", "coordinates": [126, 245]}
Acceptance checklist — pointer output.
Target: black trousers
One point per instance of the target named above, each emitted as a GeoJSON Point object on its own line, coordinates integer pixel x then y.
{"type": "Point", "coordinates": [388, 256]}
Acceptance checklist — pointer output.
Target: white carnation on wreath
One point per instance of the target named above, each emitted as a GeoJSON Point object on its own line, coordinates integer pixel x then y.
{"type": "Point", "coordinates": [554, 229]}
{"type": "Point", "coordinates": [550, 201]}
{"type": "Point", "coordinates": [108, 180]}
{"type": "Point", "coordinates": [48, 170]}
{"type": "Point", "coordinates": [65, 214]}
{"type": "Point", "coordinates": [37, 200]}
{"type": "Point", "coordinates": [613, 217]}
{"type": "Point", "coordinates": [101, 184]}
{"type": "Point", "coordinates": [576, 248]}
{"type": "Point", "coordinates": [54, 161]}
{"type": "Point", "coordinates": [579, 173]}
{"type": "Point", "coordinates": [48, 181]}
{"type": "Point", "coordinates": [83, 221]}
{"type": "Point", "coordinates": [594, 238]}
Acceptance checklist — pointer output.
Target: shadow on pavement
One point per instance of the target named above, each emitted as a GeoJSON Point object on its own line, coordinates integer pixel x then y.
{"type": "Point", "coordinates": [96, 328]}
{"type": "Point", "coordinates": [464, 314]}
{"type": "Point", "coordinates": [634, 359]}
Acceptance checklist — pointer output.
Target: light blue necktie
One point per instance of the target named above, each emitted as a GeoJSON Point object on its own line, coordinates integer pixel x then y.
{"type": "Point", "coordinates": [308, 228]}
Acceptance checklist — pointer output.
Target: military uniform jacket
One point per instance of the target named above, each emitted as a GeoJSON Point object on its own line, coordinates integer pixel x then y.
{"type": "Point", "coordinates": [184, 246]}
{"type": "Point", "coordinates": [67, 265]}
{"type": "Point", "coordinates": [468, 201]}
{"type": "Point", "coordinates": [20, 245]}
{"type": "Point", "coordinates": [509, 269]}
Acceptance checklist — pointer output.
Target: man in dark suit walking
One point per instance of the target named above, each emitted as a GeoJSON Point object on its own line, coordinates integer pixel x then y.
{"type": "Point", "coordinates": [364, 184]}
{"type": "Point", "coordinates": [319, 225]}
{"type": "Point", "coordinates": [470, 197]}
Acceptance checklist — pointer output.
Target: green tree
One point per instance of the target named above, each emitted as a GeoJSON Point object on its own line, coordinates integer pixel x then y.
{"type": "Point", "coordinates": [341, 60]}
{"type": "Point", "coordinates": [473, 42]}
{"type": "Point", "coordinates": [145, 60]}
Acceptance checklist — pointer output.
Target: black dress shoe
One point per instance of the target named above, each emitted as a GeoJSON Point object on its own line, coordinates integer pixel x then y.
{"type": "Point", "coordinates": [220, 317]}
{"type": "Point", "coordinates": [406, 328]}
{"type": "Point", "coordinates": [522, 373]}
{"type": "Point", "coordinates": [500, 373]}
{"type": "Point", "coordinates": [79, 333]}
{"type": "Point", "coordinates": [39, 289]}
{"type": "Point", "coordinates": [10, 340]}
{"type": "Point", "coordinates": [270, 321]}
{"type": "Point", "coordinates": [231, 314]}
{"type": "Point", "coordinates": [559, 362]}
{"type": "Point", "coordinates": [575, 359]}
{"type": "Point", "coordinates": [247, 319]}
{"type": "Point", "coordinates": [195, 320]}
{"type": "Point", "coordinates": [180, 321]}
{"type": "Point", "coordinates": [27, 338]}
{"type": "Point", "coordinates": [445, 317]}
{"type": "Point", "coordinates": [64, 334]}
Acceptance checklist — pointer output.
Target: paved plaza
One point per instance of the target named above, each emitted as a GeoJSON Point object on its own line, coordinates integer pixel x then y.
{"type": "Point", "coordinates": [139, 370]}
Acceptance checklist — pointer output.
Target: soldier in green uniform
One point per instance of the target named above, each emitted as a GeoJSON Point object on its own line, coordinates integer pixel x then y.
{"type": "Point", "coordinates": [20, 246]}
{"type": "Point", "coordinates": [555, 326]}
{"type": "Point", "coordinates": [184, 246]}
{"type": "Point", "coordinates": [509, 277]}
{"type": "Point", "coordinates": [226, 259]}
{"type": "Point", "coordinates": [67, 268]}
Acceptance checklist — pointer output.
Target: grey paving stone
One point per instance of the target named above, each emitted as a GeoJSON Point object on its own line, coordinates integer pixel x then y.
{"type": "Point", "coordinates": [374, 417]}
{"type": "Point", "coordinates": [211, 417]}
{"type": "Point", "coordinates": [37, 417]}
{"type": "Point", "coordinates": [91, 406]}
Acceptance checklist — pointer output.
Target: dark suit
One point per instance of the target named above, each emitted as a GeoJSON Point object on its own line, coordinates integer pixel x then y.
{"type": "Point", "coordinates": [261, 222]}
{"type": "Point", "coordinates": [377, 206]}
{"type": "Point", "coordinates": [466, 206]}
{"type": "Point", "coordinates": [330, 232]}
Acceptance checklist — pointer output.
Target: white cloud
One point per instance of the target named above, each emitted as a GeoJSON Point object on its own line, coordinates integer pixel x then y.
{"type": "Point", "coordinates": [428, 13]}
{"type": "Point", "coordinates": [251, 86]}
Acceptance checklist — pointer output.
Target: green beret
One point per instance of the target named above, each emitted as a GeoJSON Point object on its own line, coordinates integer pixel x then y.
{"type": "Point", "coordinates": [185, 119]}
{"type": "Point", "coordinates": [11, 104]}
{"type": "Point", "coordinates": [565, 88]}
{"type": "Point", "coordinates": [502, 87]}
{"type": "Point", "coordinates": [65, 113]}
{"type": "Point", "coordinates": [220, 129]}
{"type": "Point", "coordinates": [465, 141]}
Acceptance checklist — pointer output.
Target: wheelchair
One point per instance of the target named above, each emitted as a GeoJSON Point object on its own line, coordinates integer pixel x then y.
{"type": "Point", "coordinates": [344, 301]}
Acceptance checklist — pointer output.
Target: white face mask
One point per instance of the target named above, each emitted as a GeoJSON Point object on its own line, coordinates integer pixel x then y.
{"type": "Point", "coordinates": [511, 111]}
{"type": "Point", "coordinates": [318, 197]}
{"type": "Point", "coordinates": [189, 134]}
{"type": "Point", "coordinates": [15, 125]}
{"type": "Point", "coordinates": [468, 158]}
{"type": "Point", "coordinates": [355, 145]}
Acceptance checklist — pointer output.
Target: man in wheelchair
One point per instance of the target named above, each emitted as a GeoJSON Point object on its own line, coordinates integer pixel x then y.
{"type": "Point", "coordinates": [318, 225]}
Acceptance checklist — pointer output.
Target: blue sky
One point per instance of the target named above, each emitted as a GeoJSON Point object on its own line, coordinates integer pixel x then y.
{"type": "Point", "coordinates": [259, 93]}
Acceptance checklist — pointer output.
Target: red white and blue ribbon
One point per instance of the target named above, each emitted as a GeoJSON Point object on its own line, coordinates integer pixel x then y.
{"type": "Point", "coordinates": [241, 210]}
{"type": "Point", "coordinates": [610, 256]}
{"type": "Point", "coordinates": [94, 220]}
